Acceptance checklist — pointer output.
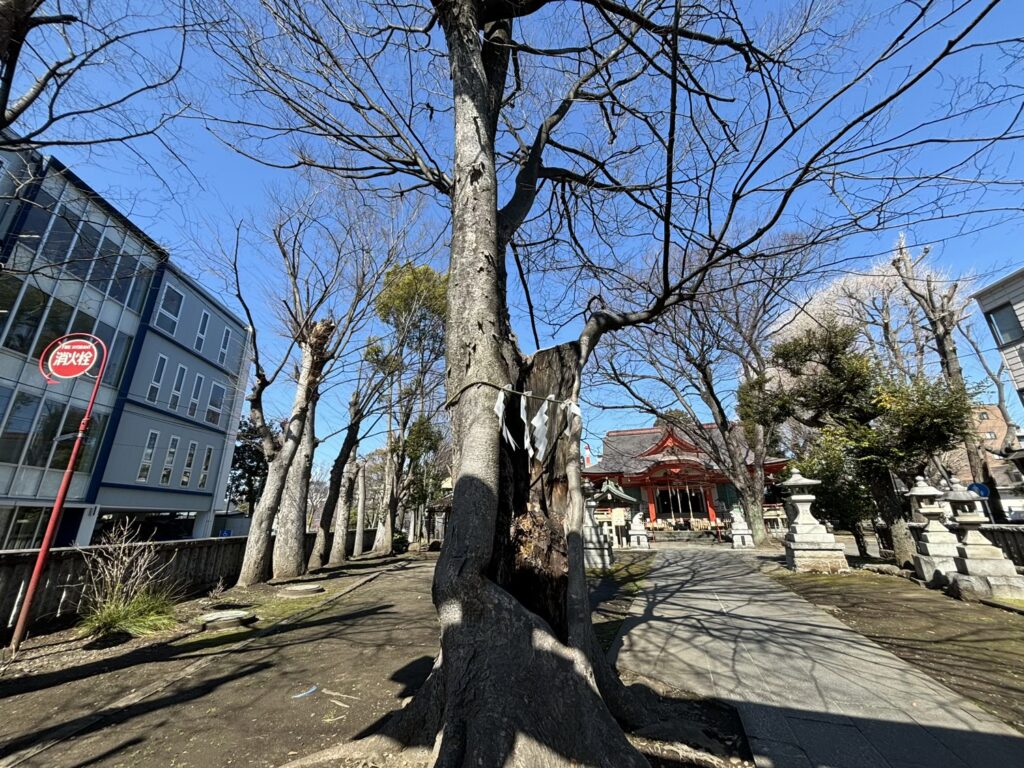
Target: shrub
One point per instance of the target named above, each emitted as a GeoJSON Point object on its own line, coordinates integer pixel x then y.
{"type": "Point", "coordinates": [400, 542]}
{"type": "Point", "coordinates": [124, 592]}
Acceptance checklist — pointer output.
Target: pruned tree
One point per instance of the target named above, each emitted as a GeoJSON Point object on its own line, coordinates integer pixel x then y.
{"type": "Point", "coordinates": [568, 135]}
{"type": "Point", "coordinates": [332, 263]}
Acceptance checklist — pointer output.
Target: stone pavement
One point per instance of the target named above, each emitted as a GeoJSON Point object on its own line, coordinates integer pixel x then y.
{"type": "Point", "coordinates": [811, 692]}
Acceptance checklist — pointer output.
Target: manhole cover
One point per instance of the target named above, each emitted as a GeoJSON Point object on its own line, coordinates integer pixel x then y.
{"type": "Point", "coordinates": [226, 619]}
{"type": "Point", "coordinates": [300, 590]}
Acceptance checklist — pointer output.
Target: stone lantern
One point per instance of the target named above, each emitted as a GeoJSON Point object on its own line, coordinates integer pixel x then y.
{"type": "Point", "coordinates": [937, 548]}
{"type": "Point", "coordinates": [742, 536]}
{"type": "Point", "coordinates": [809, 547]}
{"type": "Point", "coordinates": [597, 545]}
{"type": "Point", "coordinates": [982, 570]}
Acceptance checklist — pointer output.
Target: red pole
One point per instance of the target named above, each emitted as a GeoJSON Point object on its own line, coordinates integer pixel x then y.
{"type": "Point", "coordinates": [58, 504]}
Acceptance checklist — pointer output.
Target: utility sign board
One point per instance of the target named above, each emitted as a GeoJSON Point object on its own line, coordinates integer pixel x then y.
{"type": "Point", "coordinates": [70, 358]}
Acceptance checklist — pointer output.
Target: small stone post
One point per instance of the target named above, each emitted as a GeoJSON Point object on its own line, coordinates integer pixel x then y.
{"type": "Point", "coordinates": [597, 546]}
{"type": "Point", "coordinates": [809, 547]}
{"type": "Point", "coordinates": [742, 536]}
{"type": "Point", "coordinates": [937, 547]}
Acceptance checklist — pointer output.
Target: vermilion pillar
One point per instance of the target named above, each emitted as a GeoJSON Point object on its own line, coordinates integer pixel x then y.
{"type": "Point", "coordinates": [652, 503]}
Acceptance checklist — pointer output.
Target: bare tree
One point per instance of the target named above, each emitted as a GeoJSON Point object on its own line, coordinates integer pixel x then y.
{"type": "Point", "coordinates": [571, 133]}
{"type": "Point", "coordinates": [78, 72]}
{"type": "Point", "coordinates": [694, 360]}
{"type": "Point", "coordinates": [331, 274]}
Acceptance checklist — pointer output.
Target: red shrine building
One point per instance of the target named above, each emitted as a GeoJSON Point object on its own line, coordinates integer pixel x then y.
{"type": "Point", "coordinates": [676, 484]}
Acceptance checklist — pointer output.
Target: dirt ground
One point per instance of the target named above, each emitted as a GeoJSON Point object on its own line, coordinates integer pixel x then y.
{"type": "Point", "coordinates": [974, 649]}
{"type": "Point", "coordinates": [326, 675]}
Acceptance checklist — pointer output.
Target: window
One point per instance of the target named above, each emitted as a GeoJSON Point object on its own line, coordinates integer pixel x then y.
{"type": "Point", "coordinates": [27, 528]}
{"type": "Point", "coordinates": [983, 416]}
{"type": "Point", "coordinates": [158, 376]}
{"type": "Point", "coordinates": [62, 232]}
{"type": "Point", "coordinates": [83, 252]}
{"type": "Point", "coordinates": [45, 433]}
{"type": "Point", "coordinates": [170, 309]}
{"type": "Point", "coordinates": [215, 404]}
{"type": "Point", "coordinates": [179, 382]}
{"type": "Point", "coordinates": [1005, 324]}
{"type": "Point", "coordinates": [204, 323]}
{"type": "Point", "coordinates": [121, 285]}
{"type": "Point", "coordinates": [989, 435]}
{"type": "Point", "coordinates": [58, 317]}
{"type": "Point", "coordinates": [190, 460]}
{"type": "Point", "coordinates": [104, 264]}
{"type": "Point", "coordinates": [26, 320]}
{"type": "Point", "coordinates": [37, 219]}
{"type": "Point", "coordinates": [18, 427]}
{"type": "Point", "coordinates": [197, 390]}
{"type": "Point", "coordinates": [139, 289]}
{"type": "Point", "coordinates": [9, 288]}
{"type": "Point", "coordinates": [5, 398]}
{"type": "Point", "coordinates": [116, 359]}
{"type": "Point", "coordinates": [204, 474]}
{"type": "Point", "coordinates": [147, 457]}
{"type": "Point", "coordinates": [225, 342]}
{"type": "Point", "coordinates": [172, 452]}
{"type": "Point", "coordinates": [83, 323]}
{"type": "Point", "coordinates": [92, 441]}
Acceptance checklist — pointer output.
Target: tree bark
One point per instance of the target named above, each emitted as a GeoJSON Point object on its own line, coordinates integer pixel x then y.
{"type": "Point", "coordinates": [319, 555]}
{"type": "Point", "coordinates": [892, 513]}
{"type": "Point", "coordinates": [357, 547]}
{"type": "Point", "coordinates": [256, 561]}
{"type": "Point", "coordinates": [339, 544]}
{"type": "Point", "coordinates": [289, 557]}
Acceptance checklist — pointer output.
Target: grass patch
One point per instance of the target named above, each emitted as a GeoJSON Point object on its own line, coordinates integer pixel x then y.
{"type": "Point", "coordinates": [144, 613]}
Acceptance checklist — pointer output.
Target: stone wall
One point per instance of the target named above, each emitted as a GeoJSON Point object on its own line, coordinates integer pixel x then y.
{"type": "Point", "coordinates": [194, 565]}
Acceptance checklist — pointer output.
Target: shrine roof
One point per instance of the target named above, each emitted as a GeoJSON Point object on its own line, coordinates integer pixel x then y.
{"type": "Point", "coordinates": [637, 451]}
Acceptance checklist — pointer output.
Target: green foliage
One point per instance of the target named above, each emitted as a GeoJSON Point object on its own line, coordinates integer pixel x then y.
{"type": "Point", "coordinates": [414, 300]}
{"type": "Point", "coordinates": [424, 438]}
{"type": "Point", "coordinates": [842, 497]}
{"type": "Point", "coordinates": [869, 423]}
{"type": "Point", "coordinates": [248, 467]}
{"type": "Point", "coordinates": [143, 613]}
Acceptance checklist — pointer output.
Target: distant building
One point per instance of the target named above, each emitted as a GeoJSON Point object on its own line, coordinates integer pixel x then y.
{"type": "Point", "coordinates": [997, 442]}
{"type": "Point", "coordinates": [1002, 303]}
{"type": "Point", "coordinates": [673, 482]}
{"type": "Point", "coordinates": [159, 450]}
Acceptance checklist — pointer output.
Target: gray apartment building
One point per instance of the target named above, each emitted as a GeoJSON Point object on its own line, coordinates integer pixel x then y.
{"type": "Point", "coordinates": [164, 425]}
{"type": "Point", "coordinates": [1002, 303]}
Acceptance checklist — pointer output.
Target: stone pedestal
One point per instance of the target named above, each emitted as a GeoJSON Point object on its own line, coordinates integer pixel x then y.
{"type": "Point", "coordinates": [936, 550]}
{"type": "Point", "coordinates": [809, 547]}
{"type": "Point", "coordinates": [638, 537]}
{"type": "Point", "coordinates": [597, 545]}
{"type": "Point", "coordinates": [982, 570]}
{"type": "Point", "coordinates": [742, 536]}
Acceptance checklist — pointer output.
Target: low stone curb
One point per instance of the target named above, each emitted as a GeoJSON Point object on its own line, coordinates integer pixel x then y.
{"type": "Point", "coordinates": [145, 692]}
{"type": "Point", "coordinates": [1002, 605]}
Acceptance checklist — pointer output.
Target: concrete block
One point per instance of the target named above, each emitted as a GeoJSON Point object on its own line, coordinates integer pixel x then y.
{"type": "Point", "coordinates": [933, 570]}
{"type": "Point", "coordinates": [972, 566]}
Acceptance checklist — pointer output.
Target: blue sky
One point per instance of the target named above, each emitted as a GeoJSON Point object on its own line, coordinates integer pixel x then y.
{"type": "Point", "coordinates": [187, 207]}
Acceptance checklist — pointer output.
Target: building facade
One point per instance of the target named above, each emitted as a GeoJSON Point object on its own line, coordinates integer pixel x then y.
{"type": "Point", "coordinates": [673, 483]}
{"type": "Point", "coordinates": [163, 431]}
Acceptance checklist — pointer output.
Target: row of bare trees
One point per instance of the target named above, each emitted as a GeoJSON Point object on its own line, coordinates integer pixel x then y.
{"type": "Point", "coordinates": [603, 166]}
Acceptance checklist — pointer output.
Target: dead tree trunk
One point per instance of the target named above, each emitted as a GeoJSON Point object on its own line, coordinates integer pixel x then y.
{"type": "Point", "coordinates": [289, 557]}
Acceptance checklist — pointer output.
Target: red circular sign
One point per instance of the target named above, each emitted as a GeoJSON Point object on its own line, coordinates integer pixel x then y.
{"type": "Point", "coordinates": [71, 358]}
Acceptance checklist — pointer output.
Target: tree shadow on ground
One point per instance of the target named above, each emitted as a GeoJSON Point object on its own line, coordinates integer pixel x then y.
{"type": "Point", "coordinates": [85, 724]}
{"type": "Point", "coordinates": [176, 650]}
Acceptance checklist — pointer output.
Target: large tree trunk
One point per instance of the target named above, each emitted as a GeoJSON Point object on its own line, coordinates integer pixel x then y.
{"type": "Point", "coordinates": [892, 513]}
{"type": "Point", "coordinates": [319, 555]}
{"type": "Point", "coordinates": [357, 546]}
{"type": "Point", "coordinates": [384, 544]}
{"type": "Point", "coordinates": [289, 558]}
{"type": "Point", "coordinates": [256, 561]}
{"type": "Point", "coordinates": [339, 545]}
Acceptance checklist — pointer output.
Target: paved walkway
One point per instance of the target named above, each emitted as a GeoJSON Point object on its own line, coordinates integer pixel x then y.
{"type": "Point", "coordinates": [810, 691]}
